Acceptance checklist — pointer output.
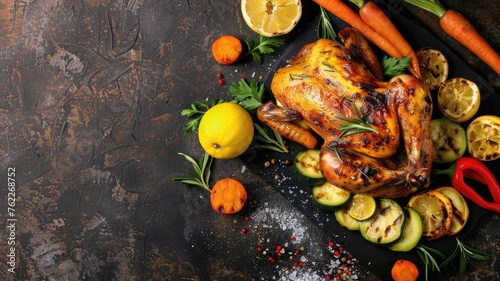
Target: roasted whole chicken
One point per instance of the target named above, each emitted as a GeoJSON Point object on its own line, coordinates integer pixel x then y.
{"type": "Point", "coordinates": [376, 134]}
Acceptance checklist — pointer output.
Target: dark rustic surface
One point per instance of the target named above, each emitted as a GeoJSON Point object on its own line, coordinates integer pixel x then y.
{"type": "Point", "coordinates": [90, 100]}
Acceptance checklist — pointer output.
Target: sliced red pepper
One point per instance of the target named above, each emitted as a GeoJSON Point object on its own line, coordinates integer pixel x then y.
{"type": "Point", "coordinates": [472, 168]}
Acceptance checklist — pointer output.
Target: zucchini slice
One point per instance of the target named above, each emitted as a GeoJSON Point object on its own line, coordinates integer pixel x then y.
{"type": "Point", "coordinates": [412, 232]}
{"type": "Point", "coordinates": [329, 197]}
{"type": "Point", "coordinates": [306, 167]}
{"type": "Point", "coordinates": [345, 220]}
{"type": "Point", "coordinates": [361, 207]}
{"type": "Point", "coordinates": [386, 225]}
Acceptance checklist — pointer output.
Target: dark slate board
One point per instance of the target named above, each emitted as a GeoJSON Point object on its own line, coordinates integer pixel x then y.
{"type": "Point", "coordinates": [377, 259]}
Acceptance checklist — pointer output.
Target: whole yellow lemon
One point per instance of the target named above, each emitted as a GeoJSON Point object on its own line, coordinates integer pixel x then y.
{"type": "Point", "coordinates": [226, 130]}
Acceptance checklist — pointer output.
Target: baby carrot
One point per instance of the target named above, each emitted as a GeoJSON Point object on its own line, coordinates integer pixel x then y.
{"type": "Point", "coordinates": [371, 13]}
{"type": "Point", "coordinates": [458, 27]}
{"type": "Point", "coordinates": [345, 13]}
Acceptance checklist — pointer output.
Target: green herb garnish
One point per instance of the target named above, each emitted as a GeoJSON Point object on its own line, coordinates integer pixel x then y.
{"type": "Point", "coordinates": [354, 126]}
{"type": "Point", "coordinates": [247, 95]}
{"type": "Point", "coordinates": [276, 144]}
{"type": "Point", "coordinates": [200, 174]}
{"type": "Point", "coordinates": [195, 113]}
{"type": "Point", "coordinates": [265, 45]}
{"type": "Point", "coordinates": [395, 66]}
{"type": "Point", "coordinates": [425, 255]}
{"type": "Point", "coordinates": [325, 29]}
{"type": "Point", "coordinates": [250, 96]}
{"type": "Point", "coordinates": [465, 253]}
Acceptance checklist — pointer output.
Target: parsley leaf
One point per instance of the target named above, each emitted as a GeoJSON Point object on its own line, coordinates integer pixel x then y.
{"type": "Point", "coordinates": [194, 114]}
{"type": "Point", "coordinates": [247, 95]}
{"type": "Point", "coordinates": [250, 96]}
{"type": "Point", "coordinates": [265, 45]}
{"type": "Point", "coordinates": [394, 66]}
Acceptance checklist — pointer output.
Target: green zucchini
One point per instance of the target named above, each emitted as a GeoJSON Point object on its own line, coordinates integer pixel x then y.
{"type": "Point", "coordinates": [345, 220]}
{"type": "Point", "coordinates": [329, 197]}
{"type": "Point", "coordinates": [412, 232]}
{"type": "Point", "coordinates": [386, 225]}
{"type": "Point", "coordinates": [306, 167]}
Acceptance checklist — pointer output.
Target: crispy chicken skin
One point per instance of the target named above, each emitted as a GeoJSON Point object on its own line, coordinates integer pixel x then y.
{"type": "Point", "coordinates": [326, 85]}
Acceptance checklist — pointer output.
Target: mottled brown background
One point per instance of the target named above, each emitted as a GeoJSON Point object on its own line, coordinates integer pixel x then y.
{"type": "Point", "coordinates": [90, 100]}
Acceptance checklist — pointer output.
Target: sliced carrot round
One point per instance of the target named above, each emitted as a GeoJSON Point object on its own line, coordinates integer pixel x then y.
{"type": "Point", "coordinates": [404, 270]}
{"type": "Point", "coordinates": [228, 196]}
{"type": "Point", "coordinates": [226, 49]}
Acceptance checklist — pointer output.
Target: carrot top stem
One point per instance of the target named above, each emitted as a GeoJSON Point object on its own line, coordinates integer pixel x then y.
{"type": "Point", "coordinates": [358, 3]}
{"type": "Point", "coordinates": [431, 6]}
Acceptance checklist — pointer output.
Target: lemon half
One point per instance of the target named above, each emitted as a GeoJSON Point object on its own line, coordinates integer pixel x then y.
{"type": "Point", "coordinates": [483, 137]}
{"type": "Point", "coordinates": [271, 17]}
{"type": "Point", "coordinates": [433, 67]}
{"type": "Point", "coordinates": [459, 99]}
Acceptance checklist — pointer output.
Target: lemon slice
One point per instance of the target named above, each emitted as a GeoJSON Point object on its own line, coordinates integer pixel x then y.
{"type": "Point", "coordinates": [460, 209]}
{"type": "Point", "coordinates": [433, 67]}
{"type": "Point", "coordinates": [458, 99]}
{"type": "Point", "coordinates": [483, 137]}
{"type": "Point", "coordinates": [271, 17]}
{"type": "Point", "coordinates": [361, 207]}
{"type": "Point", "coordinates": [436, 212]}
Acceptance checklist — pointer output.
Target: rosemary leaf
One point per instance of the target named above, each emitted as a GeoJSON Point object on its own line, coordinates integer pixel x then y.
{"type": "Point", "coordinates": [325, 29]}
{"type": "Point", "coordinates": [429, 261]}
{"type": "Point", "coordinates": [276, 144]}
{"type": "Point", "coordinates": [200, 173]}
{"type": "Point", "coordinates": [354, 126]}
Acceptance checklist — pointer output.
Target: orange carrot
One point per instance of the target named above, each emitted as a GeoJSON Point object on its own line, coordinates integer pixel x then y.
{"type": "Point", "coordinates": [226, 49]}
{"type": "Point", "coordinates": [345, 13]}
{"type": "Point", "coordinates": [458, 27]}
{"type": "Point", "coordinates": [228, 196]}
{"type": "Point", "coordinates": [378, 20]}
{"type": "Point", "coordinates": [404, 270]}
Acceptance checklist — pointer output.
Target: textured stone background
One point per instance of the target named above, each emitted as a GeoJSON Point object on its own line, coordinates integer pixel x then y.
{"type": "Point", "coordinates": [90, 100]}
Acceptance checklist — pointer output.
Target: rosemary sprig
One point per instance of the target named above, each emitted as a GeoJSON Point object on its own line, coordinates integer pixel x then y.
{"type": "Point", "coordinates": [200, 174]}
{"type": "Point", "coordinates": [425, 255]}
{"type": "Point", "coordinates": [265, 45]}
{"type": "Point", "coordinates": [194, 114]}
{"type": "Point", "coordinates": [354, 126]}
{"type": "Point", "coordinates": [325, 29]}
{"type": "Point", "coordinates": [276, 144]}
{"type": "Point", "coordinates": [465, 253]}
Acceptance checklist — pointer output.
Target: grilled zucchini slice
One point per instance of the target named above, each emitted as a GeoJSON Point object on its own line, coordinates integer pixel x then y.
{"type": "Point", "coordinates": [306, 167]}
{"type": "Point", "coordinates": [329, 197]}
{"type": "Point", "coordinates": [412, 232]}
{"type": "Point", "coordinates": [386, 225]}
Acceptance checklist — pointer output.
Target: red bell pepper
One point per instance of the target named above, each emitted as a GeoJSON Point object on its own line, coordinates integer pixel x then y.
{"type": "Point", "coordinates": [469, 167]}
